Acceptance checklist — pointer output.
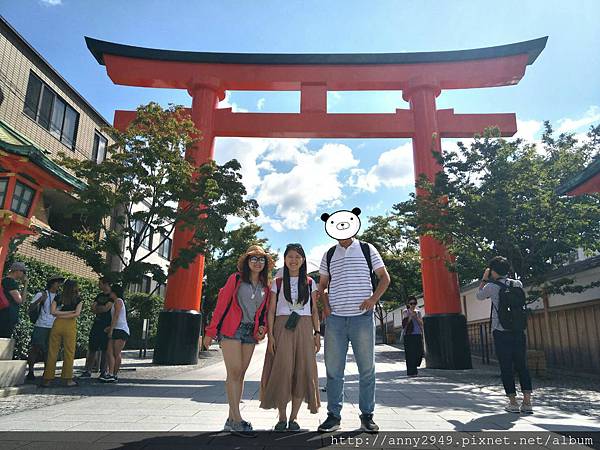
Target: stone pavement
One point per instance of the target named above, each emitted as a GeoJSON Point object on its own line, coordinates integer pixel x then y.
{"type": "Point", "coordinates": [194, 400]}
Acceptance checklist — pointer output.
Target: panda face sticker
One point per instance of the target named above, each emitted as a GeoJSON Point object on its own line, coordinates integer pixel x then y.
{"type": "Point", "coordinates": [342, 224]}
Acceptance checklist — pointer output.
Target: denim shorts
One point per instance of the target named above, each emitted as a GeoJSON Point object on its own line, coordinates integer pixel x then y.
{"type": "Point", "coordinates": [244, 334]}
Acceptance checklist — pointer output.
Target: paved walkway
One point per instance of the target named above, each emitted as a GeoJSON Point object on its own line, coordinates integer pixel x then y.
{"type": "Point", "coordinates": [194, 400]}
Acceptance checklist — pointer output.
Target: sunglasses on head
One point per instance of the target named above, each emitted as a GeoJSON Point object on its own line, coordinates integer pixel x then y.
{"type": "Point", "coordinates": [258, 259]}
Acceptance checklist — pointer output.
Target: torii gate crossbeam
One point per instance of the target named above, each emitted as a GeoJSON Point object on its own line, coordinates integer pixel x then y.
{"type": "Point", "coordinates": [420, 76]}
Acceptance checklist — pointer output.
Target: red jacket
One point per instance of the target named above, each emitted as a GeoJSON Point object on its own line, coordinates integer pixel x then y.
{"type": "Point", "coordinates": [231, 320]}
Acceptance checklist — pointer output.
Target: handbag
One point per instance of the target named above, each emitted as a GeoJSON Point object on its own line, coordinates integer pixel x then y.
{"type": "Point", "coordinates": [35, 308]}
{"type": "Point", "coordinates": [292, 321]}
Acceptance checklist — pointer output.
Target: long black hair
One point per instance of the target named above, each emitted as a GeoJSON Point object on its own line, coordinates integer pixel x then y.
{"type": "Point", "coordinates": [303, 295]}
{"type": "Point", "coordinates": [70, 292]}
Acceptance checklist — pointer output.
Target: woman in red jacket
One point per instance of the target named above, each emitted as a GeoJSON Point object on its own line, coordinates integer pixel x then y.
{"type": "Point", "coordinates": [240, 321]}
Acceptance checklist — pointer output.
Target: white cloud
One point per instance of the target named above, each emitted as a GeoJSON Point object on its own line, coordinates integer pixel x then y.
{"type": "Point", "coordinates": [311, 183]}
{"type": "Point", "coordinates": [591, 116]}
{"type": "Point", "coordinates": [266, 165]}
{"type": "Point", "coordinates": [227, 103]}
{"type": "Point", "coordinates": [247, 151]}
{"type": "Point", "coordinates": [297, 193]}
{"type": "Point", "coordinates": [316, 253]}
{"type": "Point", "coordinates": [528, 130]}
{"type": "Point", "coordinates": [394, 168]}
{"type": "Point", "coordinates": [51, 2]}
{"type": "Point", "coordinates": [261, 103]}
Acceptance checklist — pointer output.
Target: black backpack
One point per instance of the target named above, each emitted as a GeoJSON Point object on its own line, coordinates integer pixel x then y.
{"type": "Point", "coordinates": [512, 309]}
{"type": "Point", "coordinates": [366, 253]}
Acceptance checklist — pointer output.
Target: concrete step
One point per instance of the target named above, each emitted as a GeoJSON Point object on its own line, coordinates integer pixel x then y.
{"type": "Point", "coordinates": [12, 373]}
{"type": "Point", "coordinates": [7, 347]}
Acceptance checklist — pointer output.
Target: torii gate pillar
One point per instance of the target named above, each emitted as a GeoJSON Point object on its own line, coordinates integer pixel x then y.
{"type": "Point", "coordinates": [420, 76]}
{"type": "Point", "coordinates": [446, 328]}
{"type": "Point", "coordinates": [179, 323]}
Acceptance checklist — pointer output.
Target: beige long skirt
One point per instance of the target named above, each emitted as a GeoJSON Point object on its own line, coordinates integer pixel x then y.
{"type": "Point", "coordinates": [292, 371]}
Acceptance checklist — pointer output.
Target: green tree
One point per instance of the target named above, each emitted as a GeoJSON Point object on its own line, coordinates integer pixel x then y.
{"type": "Point", "coordinates": [147, 165]}
{"type": "Point", "coordinates": [498, 197]}
{"type": "Point", "coordinates": [400, 254]}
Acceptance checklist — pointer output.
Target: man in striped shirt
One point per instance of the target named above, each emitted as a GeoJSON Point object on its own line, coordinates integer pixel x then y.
{"type": "Point", "coordinates": [349, 312]}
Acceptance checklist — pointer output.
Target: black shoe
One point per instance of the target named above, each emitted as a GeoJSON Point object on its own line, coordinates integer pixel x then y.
{"type": "Point", "coordinates": [332, 423]}
{"type": "Point", "coordinates": [30, 376]}
{"type": "Point", "coordinates": [367, 424]}
{"type": "Point", "coordinates": [85, 374]}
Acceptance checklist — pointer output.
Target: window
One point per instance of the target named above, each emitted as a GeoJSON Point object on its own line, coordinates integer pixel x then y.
{"type": "Point", "coordinates": [3, 187]}
{"type": "Point", "coordinates": [162, 290]}
{"type": "Point", "coordinates": [50, 111]}
{"type": "Point", "coordinates": [22, 199]}
{"type": "Point", "coordinates": [135, 287]}
{"type": "Point", "coordinates": [146, 237]}
{"type": "Point", "coordinates": [164, 249]}
{"type": "Point", "coordinates": [146, 284]}
{"type": "Point", "coordinates": [99, 150]}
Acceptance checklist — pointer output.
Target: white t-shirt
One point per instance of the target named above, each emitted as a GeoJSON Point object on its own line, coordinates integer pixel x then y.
{"type": "Point", "coordinates": [284, 308]}
{"type": "Point", "coordinates": [350, 282]}
{"type": "Point", "coordinates": [122, 319]}
{"type": "Point", "coordinates": [46, 319]}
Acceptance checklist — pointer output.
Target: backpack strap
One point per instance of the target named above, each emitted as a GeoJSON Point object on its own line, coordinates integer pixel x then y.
{"type": "Point", "coordinates": [278, 283]}
{"type": "Point", "coordinates": [309, 284]}
{"type": "Point", "coordinates": [500, 285]}
{"type": "Point", "coordinates": [366, 250]}
{"type": "Point", "coordinates": [329, 257]}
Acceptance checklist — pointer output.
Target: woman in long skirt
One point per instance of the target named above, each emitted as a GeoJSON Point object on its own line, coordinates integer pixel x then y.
{"type": "Point", "coordinates": [290, 369]}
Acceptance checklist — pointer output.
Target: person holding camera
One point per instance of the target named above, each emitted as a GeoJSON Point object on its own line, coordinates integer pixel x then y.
{"type": "Point", "coordinates": [290, 368]}
{"type": "Point", "coordinates": [40, 337]}
{"type": "Point", "coordinates": [508, 317]}
{"type": "Point", "coordinates": [412, 326]}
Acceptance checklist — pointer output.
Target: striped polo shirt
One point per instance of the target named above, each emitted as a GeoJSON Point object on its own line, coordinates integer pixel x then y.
{"type": "Point", "coordinates": [350, 282]}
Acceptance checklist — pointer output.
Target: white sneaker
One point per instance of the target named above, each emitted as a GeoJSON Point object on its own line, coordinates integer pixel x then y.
{"type": "Point", "coordinates": [526, 409]}
{"type": "Point", "coordinates": [512, 408]}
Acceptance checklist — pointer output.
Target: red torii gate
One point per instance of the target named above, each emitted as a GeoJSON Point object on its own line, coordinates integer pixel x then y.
{"type": "Point", "coordinates": [420, 76]}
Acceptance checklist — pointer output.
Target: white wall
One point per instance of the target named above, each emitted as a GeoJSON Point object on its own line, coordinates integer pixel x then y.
{"type": "Point", "coordinates": [480, 309]}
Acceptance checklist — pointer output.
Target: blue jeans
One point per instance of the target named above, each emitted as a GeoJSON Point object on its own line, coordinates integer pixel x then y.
{"type": "Point", "coordinates": [360, 332]}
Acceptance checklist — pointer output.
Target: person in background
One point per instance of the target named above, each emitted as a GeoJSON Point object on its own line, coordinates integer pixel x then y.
{"type": "Point", "coordinates": [239, 320]}
{"type": "Point", "coordinates": [9, 316]}
{"type": "Point", "coordinates": [40, 337]}
{"type": "Point", "coordinates": [290, 367]}
{"type": "Point", "coordinates": [117, 332]}
{"type": "Point", "coordinates": [98, 340]}
{"type": "Point", "coordinates": [66, 308]}
{"type": "Point", "coordinates": [510, 345]}
{"type": "Point", "coordinates": [412, 324]}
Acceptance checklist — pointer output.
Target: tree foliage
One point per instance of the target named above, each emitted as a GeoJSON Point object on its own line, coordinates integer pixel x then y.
{"type": "Point", "coordinates": [400, 254]}
{"type": "Point", "coordinates": [498, 197]}
{"type": "Point", "coordinates": [147, 166]}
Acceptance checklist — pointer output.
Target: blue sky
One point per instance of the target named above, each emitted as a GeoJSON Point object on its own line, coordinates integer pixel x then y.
{"type": "Point", "coordinates": [296, 180]}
